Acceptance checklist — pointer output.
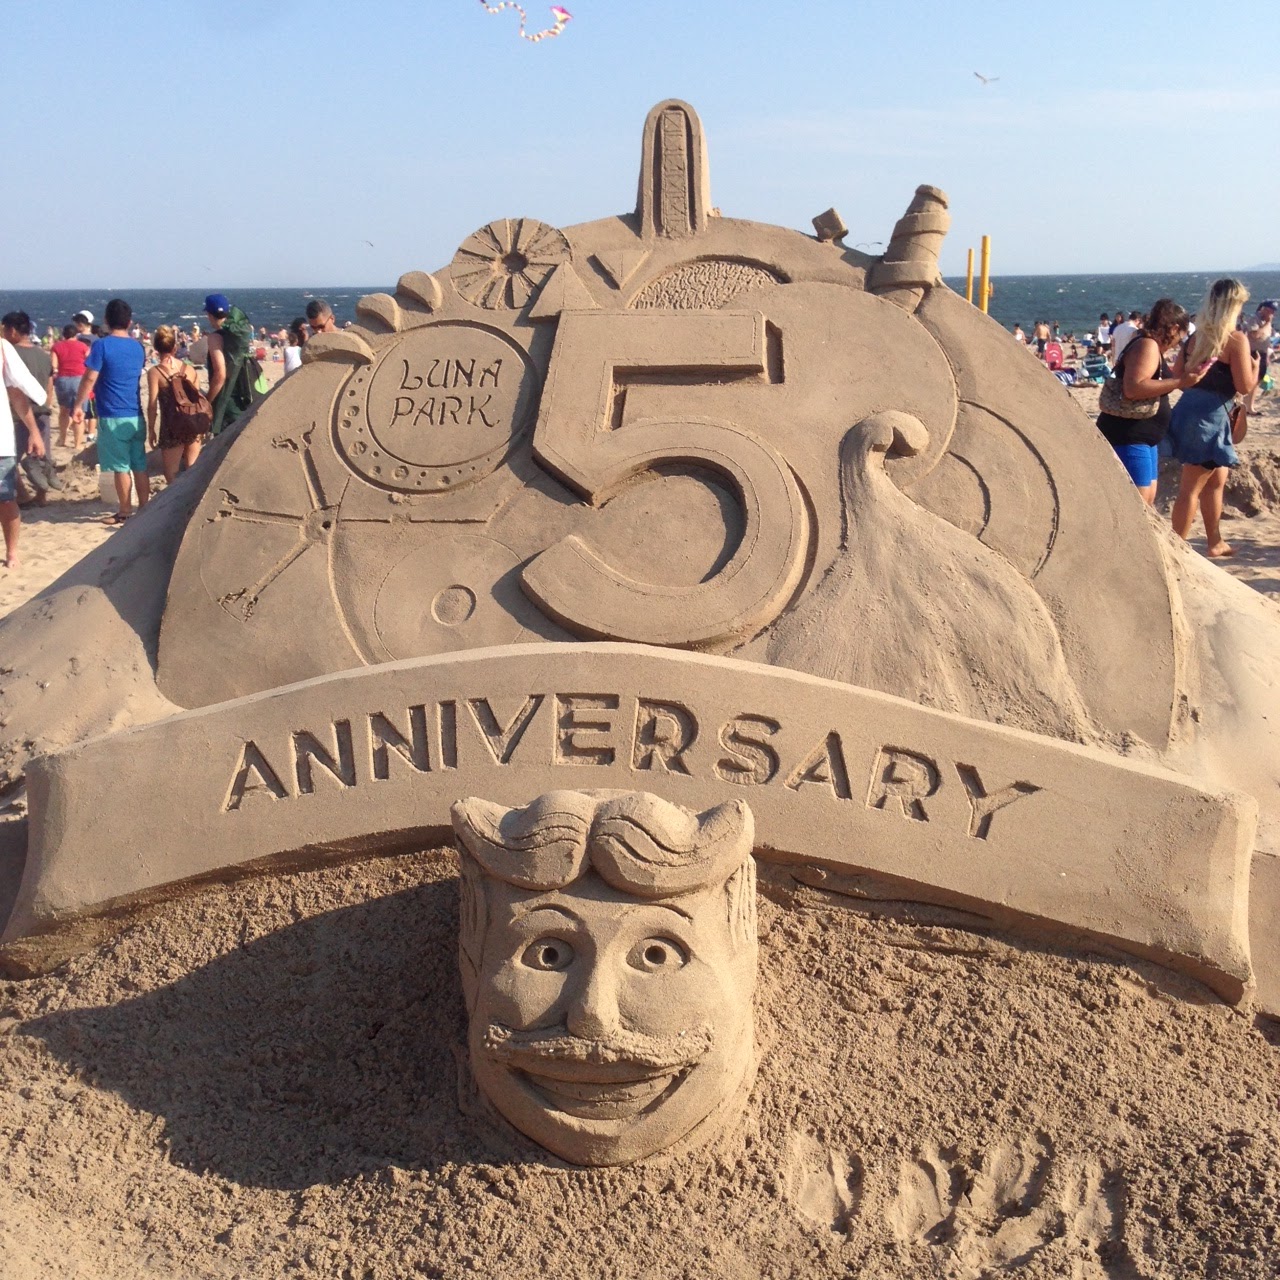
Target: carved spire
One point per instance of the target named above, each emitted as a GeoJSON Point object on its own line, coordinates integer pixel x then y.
{"type": "Point", "coordinates": [910, 263]}
{"type": "Point", "coordinates": [675, 189]}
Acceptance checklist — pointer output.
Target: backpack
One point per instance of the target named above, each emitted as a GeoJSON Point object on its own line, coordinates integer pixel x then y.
{"type": "Point", "coordinates": [189, 404]}
{"type": "Point", "coordinates": [246, 383]}
{"type": "Point", "coordinates": [259, 382]}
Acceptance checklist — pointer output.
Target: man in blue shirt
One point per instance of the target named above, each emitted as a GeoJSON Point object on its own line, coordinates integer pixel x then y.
{"type": "Point", "coordinates": [113, 369]}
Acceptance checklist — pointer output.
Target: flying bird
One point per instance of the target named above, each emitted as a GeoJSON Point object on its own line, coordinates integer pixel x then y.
{"type": "Point", "coordinates": [986, 79]}
{"type": "Point", "coordinates": [368, 242]}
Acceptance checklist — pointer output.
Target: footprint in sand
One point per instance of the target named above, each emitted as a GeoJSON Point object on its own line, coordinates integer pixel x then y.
{"type": "Point", "coordinates": [824, 1185]}
{"type": "Point", "coordinates": [1015, 1206]}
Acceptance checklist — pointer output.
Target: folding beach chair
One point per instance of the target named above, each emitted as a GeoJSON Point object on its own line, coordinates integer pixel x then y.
{"type": "Point", "coordinates": [1053, 355]}
{"type": "Point", "coordinates": [1096, 369]}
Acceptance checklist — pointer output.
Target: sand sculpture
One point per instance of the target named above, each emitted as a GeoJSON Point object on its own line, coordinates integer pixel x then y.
{"type": "Point", "coordinates": [608, 951]}
{"type": "Point", "coordinates": [662, 515]}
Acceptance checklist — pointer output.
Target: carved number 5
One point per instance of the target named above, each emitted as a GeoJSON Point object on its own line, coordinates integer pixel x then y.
{"type": "Point", "coordinates": [574, 439]}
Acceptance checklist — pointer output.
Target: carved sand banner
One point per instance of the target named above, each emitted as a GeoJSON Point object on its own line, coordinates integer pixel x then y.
{"type": "Point", "coordinates": [1018, 828]}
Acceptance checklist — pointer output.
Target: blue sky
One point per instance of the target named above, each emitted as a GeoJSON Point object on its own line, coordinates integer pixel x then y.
{"type": "Point", "coordinates": [262, 144]}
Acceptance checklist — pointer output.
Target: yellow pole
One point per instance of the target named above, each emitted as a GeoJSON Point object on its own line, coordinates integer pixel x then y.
{"type": "Point", "coordinates": [984, 284]}
{"type": "Point", "coordinates": [968, 279]}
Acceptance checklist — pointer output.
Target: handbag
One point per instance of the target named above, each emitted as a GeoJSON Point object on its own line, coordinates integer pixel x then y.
{"type": "Point", "coordinates": [1239, 423]}
{"type": "Point", "coordinates": [1113, 400]}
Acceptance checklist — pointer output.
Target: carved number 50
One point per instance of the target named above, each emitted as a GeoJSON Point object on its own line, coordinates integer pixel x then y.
{"type": "Point", "coordinates": [574, 439]}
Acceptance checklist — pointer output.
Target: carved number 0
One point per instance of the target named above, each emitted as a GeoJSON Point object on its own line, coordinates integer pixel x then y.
{"type": "Point", "coordinates": [574, 440]}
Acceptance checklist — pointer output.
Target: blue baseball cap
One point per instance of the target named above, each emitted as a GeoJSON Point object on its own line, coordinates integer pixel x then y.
{"type": "Point", "coordinates": [217, 304]}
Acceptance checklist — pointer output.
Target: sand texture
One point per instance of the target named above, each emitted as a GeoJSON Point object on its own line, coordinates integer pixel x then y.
{"type": "Point", "coordinates": [264, 1080]}
{"type": "Point", "coordinates": [54, 537]}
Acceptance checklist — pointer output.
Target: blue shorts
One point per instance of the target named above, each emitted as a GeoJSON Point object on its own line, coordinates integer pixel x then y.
{"type": "Point", "coordinates": [122, 444]}
{"type": "Point", "coordinates": [8, 479]}
{"type": "Point", "coordinates": [65, 390]}
{"type": "Point", "coordinates": [1141, 461]}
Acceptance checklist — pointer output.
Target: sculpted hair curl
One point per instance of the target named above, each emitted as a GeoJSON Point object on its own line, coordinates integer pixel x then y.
{"type": "Point", "coordinates": [636, 842]}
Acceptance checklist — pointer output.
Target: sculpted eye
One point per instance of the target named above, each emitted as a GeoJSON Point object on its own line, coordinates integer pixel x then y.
{"type": "Point", "coordinates": [549, 955]}
{"type": "Point", "coordinates": [656, 955]}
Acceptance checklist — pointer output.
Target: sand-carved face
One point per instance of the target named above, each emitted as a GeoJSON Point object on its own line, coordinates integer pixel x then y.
{"type": "Point", "coordinates": [608, 951]}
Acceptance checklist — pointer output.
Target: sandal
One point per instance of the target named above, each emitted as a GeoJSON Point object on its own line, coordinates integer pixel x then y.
{"type": "Point", "coordinates": [115, 519]}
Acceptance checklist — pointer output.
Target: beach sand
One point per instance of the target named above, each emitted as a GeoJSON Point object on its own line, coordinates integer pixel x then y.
{"type": "Point", "coordinates": [70, 524]}
{"type": "Point", "coordinates": [264, 1080]}
{"type": "Point", "coordinates": [58, 534]}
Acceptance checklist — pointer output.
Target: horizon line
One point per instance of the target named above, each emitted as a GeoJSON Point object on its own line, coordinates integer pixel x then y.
{"type": "Point", "coordinates": [202, 289]}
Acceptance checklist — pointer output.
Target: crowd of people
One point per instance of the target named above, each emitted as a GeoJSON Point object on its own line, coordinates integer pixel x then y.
{"type": "Point", "coordinates": [1216, 360]}
{"type": "Point", "coordinates": [94, 374]}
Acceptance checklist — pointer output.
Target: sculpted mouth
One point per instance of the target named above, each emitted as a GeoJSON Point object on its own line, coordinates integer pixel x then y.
{"type": "Point", "coordinates": [614, 1078]}
{"type": "Point", "coordinates": [613, 1099]}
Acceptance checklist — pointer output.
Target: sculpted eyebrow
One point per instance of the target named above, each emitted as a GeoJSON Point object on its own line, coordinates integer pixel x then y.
{"type": "Point", "coordinates": [664, 906]}
{"type": "Point", "coordinates": [670, 906]}
{"type": "Point", "coordinates": [518, 912]}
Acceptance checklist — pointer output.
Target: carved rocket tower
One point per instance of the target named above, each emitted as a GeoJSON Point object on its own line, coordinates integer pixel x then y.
{"type": "Point", "coordinates": [910, 263]}
{"type": "Point", "coordinates": [675, 187]}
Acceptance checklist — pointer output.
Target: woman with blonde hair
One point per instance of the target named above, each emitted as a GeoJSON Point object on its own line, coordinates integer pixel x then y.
{"type": "Point", "coordinates": [180, 433]}
{"type": "Point", "coordinates": [1201, 429]}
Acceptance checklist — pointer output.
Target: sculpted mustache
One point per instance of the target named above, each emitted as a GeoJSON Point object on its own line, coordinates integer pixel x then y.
{"type": "Point", "coordinates": [556, 1044]}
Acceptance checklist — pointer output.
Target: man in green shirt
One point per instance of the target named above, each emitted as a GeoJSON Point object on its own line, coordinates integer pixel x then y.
{"type": "Point", "coordinates": [231, 368]}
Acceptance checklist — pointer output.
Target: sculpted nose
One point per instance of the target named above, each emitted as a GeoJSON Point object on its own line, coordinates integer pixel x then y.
{"type": "Point", "coordinates": [592, 1012]}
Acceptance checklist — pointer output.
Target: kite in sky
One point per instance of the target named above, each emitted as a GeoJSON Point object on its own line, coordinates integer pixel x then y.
{"type": "Point", "coordinates": [562, 17]}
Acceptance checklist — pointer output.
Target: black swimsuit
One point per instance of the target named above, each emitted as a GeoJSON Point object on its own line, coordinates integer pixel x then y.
{"type": "Point", "coordinates": [1219, 380]}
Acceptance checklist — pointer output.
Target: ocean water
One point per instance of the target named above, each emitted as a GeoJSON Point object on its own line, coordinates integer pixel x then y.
{"type": "Point", "coordinates": [274, 308]}
{"type": "Point", "coordinates": [1076, 302]}
{"type": "Point", "coordinates": [1073, 301]}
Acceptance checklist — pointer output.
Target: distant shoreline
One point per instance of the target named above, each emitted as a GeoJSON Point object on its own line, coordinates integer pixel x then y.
{"type": "Point", "coordinates": [204, 287]}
